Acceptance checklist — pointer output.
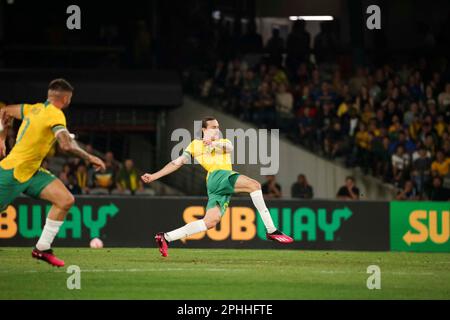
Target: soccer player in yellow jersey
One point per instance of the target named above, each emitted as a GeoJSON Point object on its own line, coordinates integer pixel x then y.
{"type": "Point", "coordinates": [21, 172]}
{"type": "Point", "coordinates": [214, 155]}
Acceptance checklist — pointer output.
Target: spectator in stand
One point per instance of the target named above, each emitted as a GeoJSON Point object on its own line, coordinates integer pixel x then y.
{"type": "Point", "coordinates": [440, 167]}
{"type": "Point", "coordinates": [275, 47]}
{"type": "Point", "coordinates": [251, 42]}
{"type": "Point", "coordinates": [408, 192]}
{"type": "Point", "coordinates": [349, 191]}
{"type": "Point", "coordinates": [363, 144]}
{"type": "Point", "coordinates": [263, 107]}
{"type": "Point", "coordinates": [128, 180]}
{"type": "Point", "coordinates": [104, 181]}
{"type": "Point", "coordinates": [298, 45]}
{"type": "Point", "coordinates": [302, 189]}
{"type": "Point", "coordinates": [444, 98]}
{"type": "Point", "coordinates": [284, 103]}
{"type": "Point", "coordinates": [381, 157]}
{"type": "Point", "coordinates": [400, 164]}
{"type": "Point", "coordinates": [438, 192]}
{"type": "Point", "coordinates": [422, 170]}
{"type": "Point", "coordinates": [333, 143]}
{"type": "Point", "coordinates": [110, 159]}
{"type": "Point", "coordinates": [82, 179]}
{"type": "Point", "coordinates": [271, 189]}
{"type": "Point", "coordinates": [65, 174]}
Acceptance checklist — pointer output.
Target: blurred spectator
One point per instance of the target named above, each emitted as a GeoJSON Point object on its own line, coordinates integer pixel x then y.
{"type": "Point", "coordinates": [110, 159]}
{"type": "Point", "coordinates": [333, 143]}
{"type": "Point", "coordinates": [275, 47]}
{"type": "Point", "coordinates": [284, 102]}
{"type": "Point", "coordinates": [421, 170]}
{"type": "Point", "coordinates": [438, 192]}
{"type": "Point", "coordinates": [73, 187]}
{"type": "Point", "coordinates": [325, 44]}
{"type": "Point", "coordinates": [349, 191]}
{"type": "Point", "coordinates": [408, 192]}
{"type": "Point", "coordinates": [65, 174]}
{"type": "Point", "coordinates": [301, 189]}
{"type": "Point", "coordinates": [104, 181]}
{"type": "Point", "coordinates": [271, 189]}
{"type": "Point", "coordinates": [263, 107]}
{"type": "Point", "coordinates": [128, 180]}
{"type": "Point", "coordinates": [400, 163]}
{"type": "Point", "coordinates": [440, 167]}
{"type": "Point", "coordinates": [444, 97]}
{"type": "Point", "coordinates": [298, 45]}
{"type": "Point", "coordinates": [82, 178]}
{"type": "Point", "coordinates": [251, 42]}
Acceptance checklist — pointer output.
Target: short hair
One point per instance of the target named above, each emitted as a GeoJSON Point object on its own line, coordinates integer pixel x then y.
{"type": "Point", "coordinates": [350, 178]}
{"type": "Point", "coordinates": [205, 121]}
{"type": "Point", "coordinates": [60, 85]}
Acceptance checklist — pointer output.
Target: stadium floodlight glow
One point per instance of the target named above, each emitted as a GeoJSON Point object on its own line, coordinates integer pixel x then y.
{"type": "Point", "coordinates": [293, 18]}
{"type": "Point", "coordinates": [216, 14]}
{"type": "Point", "coordinates": [316, 18]}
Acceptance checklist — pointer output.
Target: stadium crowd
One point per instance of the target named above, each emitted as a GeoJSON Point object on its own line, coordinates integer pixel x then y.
{"type": "Point", "coordinates": [117, 179]}
{"type": "Point", "coordinates": [391, 120]}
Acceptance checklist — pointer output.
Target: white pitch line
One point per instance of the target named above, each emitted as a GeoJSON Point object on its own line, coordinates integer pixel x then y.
{"type": "Point", "coordinates": [131, 270]}
{"type": "Point", "coordinates": [397, 273]}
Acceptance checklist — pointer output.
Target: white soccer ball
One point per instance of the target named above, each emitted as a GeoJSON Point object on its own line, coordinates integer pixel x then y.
{"type": "Point", "coordinates": [96, 243]}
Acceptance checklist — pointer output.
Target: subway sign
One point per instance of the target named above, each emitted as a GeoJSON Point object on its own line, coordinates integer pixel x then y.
{"type": "Point", "coordinates": [243, 224]}
{"type": "Point", "coordinates": [420, 226]}
{"type": "Point", "coordinates": [25, 221]}
{"type": "Point", "coordinates": [133, 222]}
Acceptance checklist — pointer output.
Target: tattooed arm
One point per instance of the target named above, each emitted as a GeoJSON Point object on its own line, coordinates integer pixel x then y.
{"type": "Point", "coordinates": [68, 144]}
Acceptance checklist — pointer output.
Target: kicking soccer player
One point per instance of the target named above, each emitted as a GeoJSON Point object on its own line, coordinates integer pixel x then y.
{"type": "Point", "coordinates": [215, 156]}
{"type": "Point", "coordinates": [20, 171]}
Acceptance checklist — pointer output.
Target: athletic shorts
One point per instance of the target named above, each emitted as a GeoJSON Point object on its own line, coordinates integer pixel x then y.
{"type": "Point", "coordinates": [10, 188]}
{"type": "Point", "coordinates": [220, 186]}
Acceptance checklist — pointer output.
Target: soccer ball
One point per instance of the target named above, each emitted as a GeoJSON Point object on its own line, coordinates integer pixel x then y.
{"type": "Point", "coordinates": [96, 243]}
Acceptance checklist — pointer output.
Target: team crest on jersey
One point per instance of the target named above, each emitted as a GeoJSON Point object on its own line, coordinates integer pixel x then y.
{"type": "Point", "coordinates": [35, 110]}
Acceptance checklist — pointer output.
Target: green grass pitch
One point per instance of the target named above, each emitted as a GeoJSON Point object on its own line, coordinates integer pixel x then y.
{"type": "Point", "coordinates": [224, 274]}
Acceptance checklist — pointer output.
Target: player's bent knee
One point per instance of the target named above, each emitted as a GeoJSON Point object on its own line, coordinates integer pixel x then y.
{"type": "Point", "coordinates": [66, 202]}
{"type": "Point", "coordinates": [255, 185]}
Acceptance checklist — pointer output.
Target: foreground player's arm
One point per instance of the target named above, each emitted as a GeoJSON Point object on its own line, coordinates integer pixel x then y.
{"type": "Point", "coordinates": [168, 169]}
{"type": "Point", "coordinates": [68, 144]}
{"type": "Point", "coordinates": [6, 118]}
{"type": "Point", "coordinates": [12, 111]}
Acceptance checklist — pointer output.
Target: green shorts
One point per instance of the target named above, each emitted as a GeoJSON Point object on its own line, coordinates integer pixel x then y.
{"type": "Point", "coordinates": [220, 187]}
{"type": "Point", "coordinates": [10, 188]}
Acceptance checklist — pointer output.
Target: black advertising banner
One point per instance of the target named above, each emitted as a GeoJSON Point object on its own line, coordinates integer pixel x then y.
{"type": "Point", "coordinates": [133, 222]}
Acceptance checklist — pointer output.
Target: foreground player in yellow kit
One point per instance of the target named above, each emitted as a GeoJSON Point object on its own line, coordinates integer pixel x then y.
{"type": "Point", "coordinates": [214, 155]}
{"type": "Point", "coordinates": [21, 172]}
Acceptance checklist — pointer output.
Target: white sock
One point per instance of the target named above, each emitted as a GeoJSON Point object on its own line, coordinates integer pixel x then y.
{"type": "Point", "coordinates": [186, 231]}
{"type": "Point", "coordinates": [49, 233]}
{"type": "Point", "coordinates": [258, 201]}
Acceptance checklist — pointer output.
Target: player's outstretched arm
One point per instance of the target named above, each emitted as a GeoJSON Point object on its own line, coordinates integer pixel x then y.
{"type": "Point", "coordinates": [68, 144]}
{"type": "Point", "coordinates": [168, 169]}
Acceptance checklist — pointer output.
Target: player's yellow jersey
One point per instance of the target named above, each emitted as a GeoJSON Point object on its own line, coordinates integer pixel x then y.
{"type": "Point", "coordinates": [208, 157]}
{"type": "Point", "coordinates": [34, 140]}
